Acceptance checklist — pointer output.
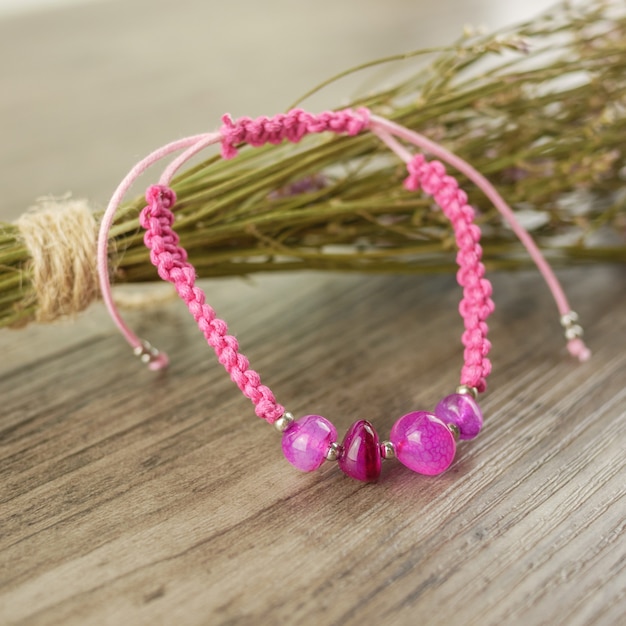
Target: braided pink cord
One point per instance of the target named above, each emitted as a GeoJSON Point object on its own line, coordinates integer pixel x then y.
{"type": "Point", "coordinates": [172, 265]}
{"type": "Point", "coordinates": [292, 126]}
{"type": "Point", "coordinates": [171, 259]}
{"type": "Point", "coordinates": [476, 305]}
{"type": "Point", "coordinates": [388, 131]}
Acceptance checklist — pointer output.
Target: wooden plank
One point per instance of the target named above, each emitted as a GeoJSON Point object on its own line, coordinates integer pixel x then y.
{"type": "Point", "coordinates": [126, 495]}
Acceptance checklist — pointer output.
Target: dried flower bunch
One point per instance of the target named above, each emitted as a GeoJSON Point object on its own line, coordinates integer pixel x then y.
{"type": "Point", "coordinates": [540, 109]}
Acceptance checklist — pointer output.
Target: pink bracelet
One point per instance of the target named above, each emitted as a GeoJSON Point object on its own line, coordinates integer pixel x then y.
{"type": "Point", "coordinates": [423, 441]}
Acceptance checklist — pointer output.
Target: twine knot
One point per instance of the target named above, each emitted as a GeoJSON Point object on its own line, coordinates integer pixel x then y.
{"type": "Point", "coordinates": [60, 235]}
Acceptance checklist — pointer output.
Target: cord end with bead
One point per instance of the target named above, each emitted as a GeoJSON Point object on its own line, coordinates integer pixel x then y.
{"type": "Point", "coordinates": [573, 333]}
{"type": "Point", "coordinates": [153, 358]}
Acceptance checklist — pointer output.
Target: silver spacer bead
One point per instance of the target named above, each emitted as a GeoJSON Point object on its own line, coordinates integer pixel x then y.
{"type": "Point", "coordinates": [573, 330]}
{"type": "Point", "coordinates": [387, 450]}
{"type": "Point", "coordinates": [284, 422]}
{"type": "Point", "coordinates": [569, 319]}
{"type": "Point", "coordinates": [334, 451]}
{"type": "Point", "coordinates": [146, 352]}
{"type": "Point", "coordinates": [467, 390]}
{"type": "Point", "coordinates": [454, 429]}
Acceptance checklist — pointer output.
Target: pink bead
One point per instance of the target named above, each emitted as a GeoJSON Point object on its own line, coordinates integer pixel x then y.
{"type": "Point", "coordinates": [306, 442]}
{"type": "Point", "coordinates": [423, 443]}
{"type": "Point", "coordinates": [461, 409]}
{"type": "Point", "coordinates": [360, 458]}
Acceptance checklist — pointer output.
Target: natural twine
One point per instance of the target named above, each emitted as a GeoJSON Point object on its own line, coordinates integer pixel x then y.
{"type": "Point", "coordinates": [61, 238]}
{"type": "Point", "coordinates": [61, 235]}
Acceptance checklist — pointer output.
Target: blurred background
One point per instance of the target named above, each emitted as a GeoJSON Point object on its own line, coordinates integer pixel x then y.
{"type": "Point", "coordinates": [89, 86]}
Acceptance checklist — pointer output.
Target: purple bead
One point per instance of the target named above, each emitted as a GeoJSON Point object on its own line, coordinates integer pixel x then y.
{"type": "Point", "coordinates": [461, 409]}
{"type": "Point", "coordinates": [423, 443]}
{"type": "Point", "coordinates": [306, 442]}
{"type": "Point", "coordinates": [360, 457]}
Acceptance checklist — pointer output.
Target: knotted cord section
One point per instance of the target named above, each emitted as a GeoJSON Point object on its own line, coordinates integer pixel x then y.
{"type": "Point", "coordinates": [292, 126]}
{"type": "Point", "coordinates": [476, 305]}
{"type": "Point", "coordinates": [171, 262]}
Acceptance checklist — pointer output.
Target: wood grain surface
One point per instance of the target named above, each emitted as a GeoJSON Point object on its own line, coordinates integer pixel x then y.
{"type": "Point", "coordinates": [133, 498]}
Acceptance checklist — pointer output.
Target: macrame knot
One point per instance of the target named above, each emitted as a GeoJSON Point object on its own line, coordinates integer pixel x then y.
{"type": "Point", "coordinates": [414, 166]}
{"type": "Point", "coordinates": [160, 197]}
{"type": "Point", "coordinates": [157, 219]}
{"type": "Point", "coordinates": [292, 126]}
{"type": "Point", "coordinates": [476, 305]}
{"type": "Point", "coordinates": [170, 260]}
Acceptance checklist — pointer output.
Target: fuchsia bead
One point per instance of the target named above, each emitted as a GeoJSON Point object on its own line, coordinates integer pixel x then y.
{"type": "Point", "coordinates": [360, 457]}
{"type": "Point", "coordinates": [461, 409]}
{"type": "Point", "coordinates": [423, 443]}
{"type": "Point", "coordinates": [306, 442]}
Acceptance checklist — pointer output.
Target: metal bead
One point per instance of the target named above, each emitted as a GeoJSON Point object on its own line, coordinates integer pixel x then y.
{"type": "Point", "coordinates": [573, 332]}
{"type": "Point", "coordinates": [569, 319]}
{"type": "Point", "coordinates": [387, 450]}
{"type": "Point", "coordinates": [334, 451]}
{"type": "Point", "coordinates": [467, 390]}
{"type": "Point", "coordinates": [284, 422]}
{"type": "Point", "coordinates": [146, 352]}
{"type": "Point", "coordinates": [454, 429]}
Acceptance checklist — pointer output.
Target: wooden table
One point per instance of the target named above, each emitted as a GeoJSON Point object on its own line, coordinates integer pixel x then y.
{"type": "Point", "coordinates": [133, 498]}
